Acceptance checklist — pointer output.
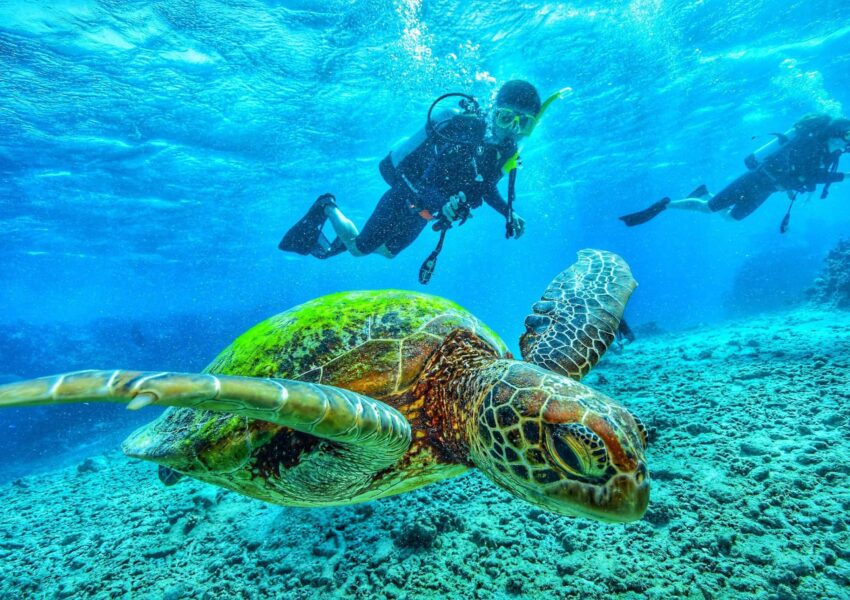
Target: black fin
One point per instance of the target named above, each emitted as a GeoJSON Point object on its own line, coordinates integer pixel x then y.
{"type": "Point", "coordinates": [305, 237]}
{"type": "Point", "coordinates": [169, 476]}
{"type": "Point", "coordinates": [325, 249]}
{"type": "Point", "coordinates": [700, 192]}
{"type": "Point", "coordinates": [642, 216]}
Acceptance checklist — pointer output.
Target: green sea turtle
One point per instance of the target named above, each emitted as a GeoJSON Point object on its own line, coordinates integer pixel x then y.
{"type": "Point", "coordinates": [362, 395]}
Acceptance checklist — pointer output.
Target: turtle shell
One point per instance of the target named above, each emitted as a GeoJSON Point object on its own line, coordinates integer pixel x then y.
{"type": "Point", "coordinates": [373, 342]}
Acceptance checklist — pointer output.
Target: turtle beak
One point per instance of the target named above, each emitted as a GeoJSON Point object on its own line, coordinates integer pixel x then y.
{"type": "Point", "coordinates": [627, 498]}
{"type": "Point", "coordinates": [622, 499]}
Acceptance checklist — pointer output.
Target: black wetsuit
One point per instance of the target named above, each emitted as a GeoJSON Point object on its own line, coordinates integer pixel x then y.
{"type": "Point", "coordinates": [460, 160]}
{"type": "Point", "coordinates": [798, 166]}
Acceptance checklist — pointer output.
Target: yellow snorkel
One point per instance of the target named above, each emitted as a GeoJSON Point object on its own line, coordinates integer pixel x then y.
{"type": "Point", "coordinates": [512, 163]}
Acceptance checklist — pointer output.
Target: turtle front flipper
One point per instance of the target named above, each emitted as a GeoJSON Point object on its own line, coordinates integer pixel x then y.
{"type": "Point", "coordinates": [381, 434]}
{"type": "Point", "coordinates": [577, 318]}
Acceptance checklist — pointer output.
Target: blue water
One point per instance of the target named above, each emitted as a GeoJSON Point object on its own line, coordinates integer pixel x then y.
{"type": "Point", "coordinates": [152, 154]}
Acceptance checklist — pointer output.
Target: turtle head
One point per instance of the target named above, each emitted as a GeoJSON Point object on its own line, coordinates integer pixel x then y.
{"type": "Point", "coordinates": [560, 445]}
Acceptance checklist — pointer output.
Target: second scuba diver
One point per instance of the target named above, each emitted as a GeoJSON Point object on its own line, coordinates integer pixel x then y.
{"type": "Point", "coordinates": [794, 162]}
{"type": "Point", "coordinates": [436, 177]}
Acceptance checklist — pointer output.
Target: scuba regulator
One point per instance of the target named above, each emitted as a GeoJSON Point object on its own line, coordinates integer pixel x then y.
{"type": "Point", "coordinates": [470, 108]}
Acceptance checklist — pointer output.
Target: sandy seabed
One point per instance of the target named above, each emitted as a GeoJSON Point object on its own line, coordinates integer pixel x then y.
{"type": "Point", "coordinates": [749, 457]}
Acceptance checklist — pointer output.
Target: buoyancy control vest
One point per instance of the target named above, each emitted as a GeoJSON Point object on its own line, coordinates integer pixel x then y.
{"type": "Point", "coordinates": [799, 159]}
{"type": "Point", "coordinates": [795, 159]}
{"type": "Point", "coordinates": [454, 157]}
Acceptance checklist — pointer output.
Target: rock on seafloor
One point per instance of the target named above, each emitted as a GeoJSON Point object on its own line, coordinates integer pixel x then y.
{"type": "Point", "coordinates": [750, 458]}
{"type": "Point", "coordinates": [832, 286]}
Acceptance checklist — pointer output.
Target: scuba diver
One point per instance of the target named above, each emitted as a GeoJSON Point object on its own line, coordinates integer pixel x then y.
{"type": "Point", "coordinates": [436, 177]}
{"type": "Point", "coordinates": [794, 162]}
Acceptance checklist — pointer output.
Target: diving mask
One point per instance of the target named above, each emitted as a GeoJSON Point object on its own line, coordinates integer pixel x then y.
{"type": "Point", "coordinates": [518, 122]}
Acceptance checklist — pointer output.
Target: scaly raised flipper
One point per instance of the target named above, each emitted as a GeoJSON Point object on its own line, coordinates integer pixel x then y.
{"type": "Point", "coordinates": [327, 412]}
{"type": "Point", "coordinates": [578, 316]}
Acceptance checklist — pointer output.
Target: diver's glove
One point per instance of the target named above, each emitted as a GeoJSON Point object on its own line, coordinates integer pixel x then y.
{"type": "Point", "coordinates": [518, 224]}
{"type": "Point", "coordinates": [455, 208]}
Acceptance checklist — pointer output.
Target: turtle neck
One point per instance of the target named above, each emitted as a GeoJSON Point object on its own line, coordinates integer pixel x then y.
{"type": "Point", "coordinates": [452, 387]}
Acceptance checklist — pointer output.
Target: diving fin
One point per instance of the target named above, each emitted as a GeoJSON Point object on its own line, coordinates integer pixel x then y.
{"type": "Point", "coordinates": [325, 249]}
{"type": "Point", "coordinates": [306, 237]}
{"type": "Point", "coordinates": [700, 192]}
{"type": "Point", "coordinates": [642, 216]}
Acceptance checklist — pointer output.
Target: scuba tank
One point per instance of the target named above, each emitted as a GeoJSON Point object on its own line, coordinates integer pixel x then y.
{"type": "Point", "coordinates": [401, 163]}
{"type": "Point", "coordinates": [811, 127]}
{"type": "Point", "coordinates": [777, 153]}
{"type": "Point", "coordinates": [771, 149]}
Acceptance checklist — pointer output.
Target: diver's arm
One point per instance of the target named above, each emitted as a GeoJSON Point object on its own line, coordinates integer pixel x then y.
{"type": "Point", "coordinates": [807, 184]}
{"type": "Point", "coordinates": [493, 198]}
{"type": "Point", "coordinates": [824, 176]}
{"type": "Point", "coordinates": [430, 199]}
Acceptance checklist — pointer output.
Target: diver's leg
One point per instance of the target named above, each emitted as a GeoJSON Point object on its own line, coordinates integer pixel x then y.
{"type": "Point", "coordinates": [697, 201]}
{"type": "Point", "coordinates": [408, 229]}
{"type": "Point", "coordinates": [384, 251]}
{"type": "Point", "coordinates": [392, 227]}
{"type": "Point", "coordinates": [357, 243]}
{"type": "Point", "coordinates": [741, 197]}
{"type": "Point", "coordinates": [692, 204]}
{"type": "Point", "coordinates": [700, 205]}
{"type": "Point", "coordinates": [728, 215]}
{"type": "Point", "coordinates": [344, 228]}
{"type": "Point", "coordinates": [377, 230]}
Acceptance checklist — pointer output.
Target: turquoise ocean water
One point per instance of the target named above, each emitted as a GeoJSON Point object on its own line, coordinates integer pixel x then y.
{"type": "Point", "coordinates": [153, 153]}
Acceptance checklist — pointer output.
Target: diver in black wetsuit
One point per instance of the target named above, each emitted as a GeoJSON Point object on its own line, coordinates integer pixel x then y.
{"type": "Point", "coordinates": [796, 161]}
{"type": "Point", "coordinates": [436, 177]}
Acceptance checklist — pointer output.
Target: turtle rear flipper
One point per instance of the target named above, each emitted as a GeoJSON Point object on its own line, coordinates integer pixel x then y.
{"type": "Point", "coordinates": [380, 433]}
{"type": "Point", "coordinates": [169, 477]}
{"type": "Point", "coordinates": [578, 316]}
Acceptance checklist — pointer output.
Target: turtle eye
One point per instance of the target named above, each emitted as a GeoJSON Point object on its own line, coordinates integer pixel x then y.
{"type": "Point", "coordinates": [578, 450]}
{"type": "Point", "coordinates": [644, 439]}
